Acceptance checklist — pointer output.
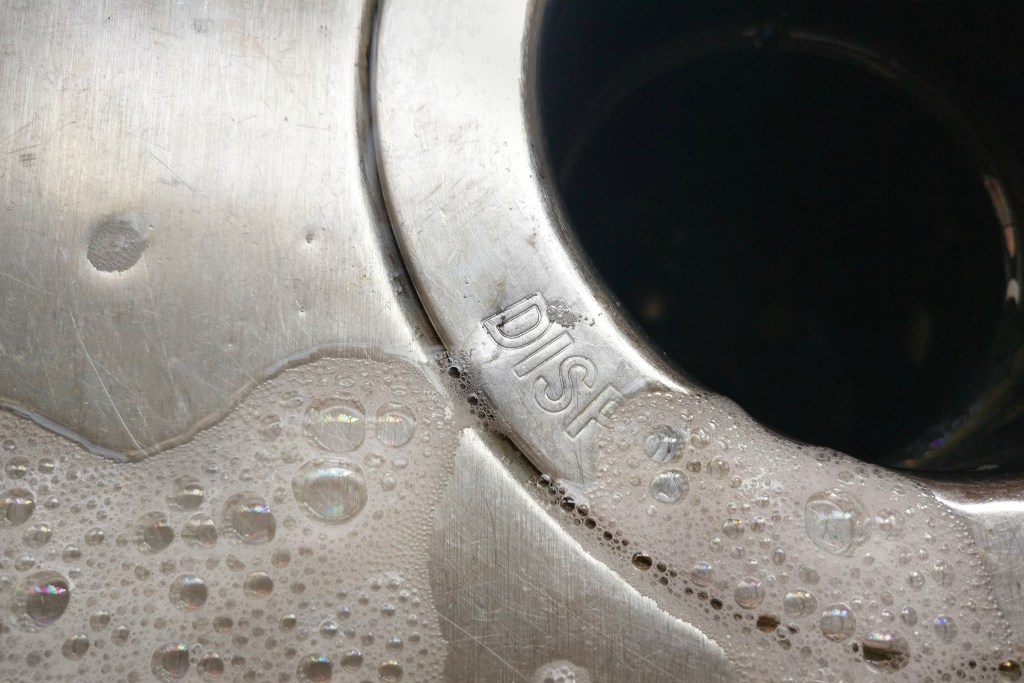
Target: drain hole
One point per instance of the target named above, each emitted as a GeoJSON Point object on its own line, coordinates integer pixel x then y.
{"type": "Point", "coordinates": [797, 232]}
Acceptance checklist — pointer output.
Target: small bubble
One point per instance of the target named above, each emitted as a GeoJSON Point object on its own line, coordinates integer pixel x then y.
{"type": "Point", "coordinates": [258, 585]}
{"type": "Point", "coordinates": [388, 481]}
{"type": "Point", "coordinates": [390, 671]}
{"type": "Point", "coordinates": [171, 662]}
{"type": "Point", "coordinates": [290, 399]}
{"type": "Point", "coordinates": [945, 628]}
{"type": "Point", "coordinates": [885, 650]}
{"type": "Point", "coordinates": [210, 666]}
{"type": "Point", "coordinates": [749, 593]}
{"type": "Point", "coordinates": [799, 603]}
{"type": "Point", "coordinates": [835, 522]}
{"type": "Point", "coordinates": [16, 467]}
{"type": "Point", "coordinates": [99, 620]}
{"type": "Point", "coordinates": [664, 444]}
{"type": "Point", "coordinates": [837, 622]}
{"type": "Point", "coordinates": [40, 599]}
{"type": "Point", "coordinates": [187, 495]}
{"type": "Point", "coordinates": [942, 573]}
{"type": "Point", "coordinates": [16, 506]}
{"type": "Point", "coordinates": [642, 561]}
{"type": "Point", "coordinates": [315, 669]}
{"type": "Point", "coordinates": [915, 580]}
{"type": "Point", "coordinates": [280, 558]}
{"type": "Point", "coordinates": [247, 518]}
{"type": "Point", "coordinates": [270, 427]}
{"type": "Point", "coordinates": [75, 647]}
{"type": "Point", "coordinates": [767, 623]}
{"type": "Point", "coordinates": [153, 533]}
{"type": "Point", "coordinates": [188, 592]}
{"type": "Point", "coordinates": [889, 525]}
{"type": "Point", "coordinates": [37, 535]}
{"type": "Point", "coordinates": [670, 486]}
{"type": "Point", "coordinates": [1011, 670]}
{"type": "Point", "coordinates": [718, 468]}
{"type": "Point", "coordinates": [199, 531]}
{"type": "Point", "coordinates": [120, 635]}
{"type": "Point", "coordinates": [330, 491]}
{"type": "Point", "coordinates": [94, 536]}
{"type": "Point", "coordinates": [732, 528]}
{"type": "Point", "coordinates": [336, 424]}
{"type": "Point", "coordinates": [352, 659]}
{"type": "Point", "coordinates": [702, 574]}
{"type": "Point", "coordinates": [395, 424]}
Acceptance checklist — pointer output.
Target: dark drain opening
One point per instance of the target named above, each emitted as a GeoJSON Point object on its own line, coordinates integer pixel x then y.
{"type": "Point", "coordinates": [794, 230]}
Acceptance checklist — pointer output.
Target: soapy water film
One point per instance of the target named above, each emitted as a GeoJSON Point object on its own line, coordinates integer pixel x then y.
{"type": "Point", "coordinates": [290, 543]}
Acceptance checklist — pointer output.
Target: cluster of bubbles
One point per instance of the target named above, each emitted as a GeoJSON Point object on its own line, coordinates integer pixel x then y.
{"type": "Point", "coordinates": [289, 542]}
{"type": "Point", "coordinates": [833, 570]}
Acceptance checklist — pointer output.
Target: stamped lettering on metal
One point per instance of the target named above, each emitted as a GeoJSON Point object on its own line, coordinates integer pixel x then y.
{"type": "Point", "coordinates": [563, 380]}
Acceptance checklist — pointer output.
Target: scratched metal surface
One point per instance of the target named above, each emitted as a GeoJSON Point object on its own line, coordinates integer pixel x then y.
{"type": "Point", "coordinates": [195, 259]}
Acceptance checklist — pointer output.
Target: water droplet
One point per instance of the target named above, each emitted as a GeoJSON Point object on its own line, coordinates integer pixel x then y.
{"type": "Point", "coordinates": [395, 424]}
{"type": "Point", "coordinates": [885, 650]}
{"type": "Point", "coordinates": [315, 669]}
{"type": "Point", "coordinates": [16, 506]}
{"type": "Point", "coordinates": [799, 603]}
{"type": "Point", "coordinates": [247, 518]}
{"type": "Point", "coordinates": [336, 424]}
{"type": "Point", "coordinates": [1011, 670]}
{"type": "Point", "coordinates": [670, 486]}
{"type": "Point", "coordinates": [210, 666]}
{"type": "Point", "coordinates": [258, 585]}
{"type": "Point", "coordinates": [664, 444]}
{"type": "Point", "coordinates": [732, 528]}
{"type": "Point", "coordinates": [37, 535]}
{"type": "Point", "coordinates": [187, 592]}
{"type": "Point", "coordinates": [330, 491]}
{"type": "Point", "coordinates": [40, 599]}
{"type": "Point", "coordinates": [353, 659]}
{"type": "Point", "coordinates": [170, 662]}
{"type": "Point", "coordinates": [187, 495]}
{"type": "Point", "coordinates": [270, 427]}
{"type": "Point", "coordinates": [702, 574]}
{"type": "Point", "coordinates": [749, 593]}
{"type": "Point", "coordinates": [915, 580]}
{"type": "Point", "coordinates": [153, 533]}
{"type": "Point", "coordinates": [390, 671]}
{"type": "Point", "coordinates": [199, 531]}
{"type": "Point", "coordinates": [835, 522]}
{"type": "Point", "coordinates": [75, 647]}
{"type": "Point", "coordinates": [837, 622]}
{"type": "Point", "coordinates": [945, 628]}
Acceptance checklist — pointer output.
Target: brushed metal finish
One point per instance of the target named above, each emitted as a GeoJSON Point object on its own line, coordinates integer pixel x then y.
{"type": "Point", "coordinates": [188, 200]}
